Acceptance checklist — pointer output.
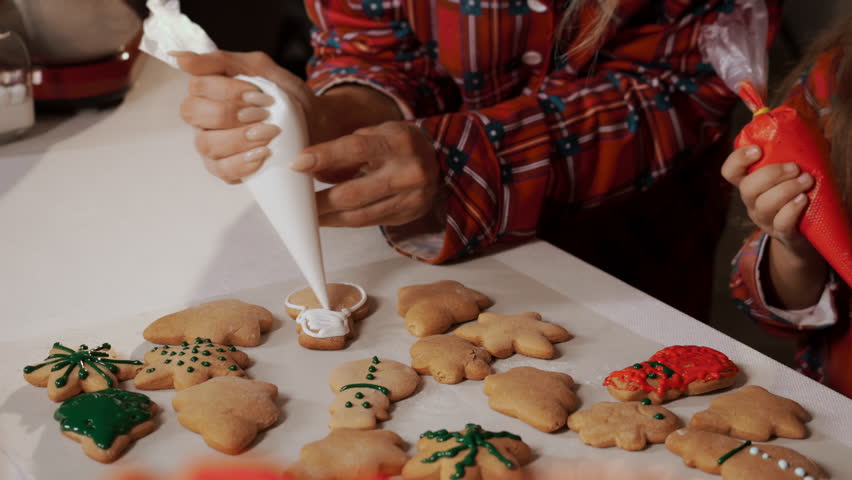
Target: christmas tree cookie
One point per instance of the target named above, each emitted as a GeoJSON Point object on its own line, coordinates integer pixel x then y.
{"type": "Point", "coordinates": [188, 364]}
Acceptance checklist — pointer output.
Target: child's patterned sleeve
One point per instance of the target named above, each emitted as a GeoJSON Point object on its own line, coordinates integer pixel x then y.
{"type": "Point", "coordinates": [747, 291]}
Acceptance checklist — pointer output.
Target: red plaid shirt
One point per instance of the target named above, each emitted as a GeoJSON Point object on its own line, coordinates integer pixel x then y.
{"type": "Point", "coordinates": [825, 352]}
{"type": "Point", "coordinates": [516, 124]}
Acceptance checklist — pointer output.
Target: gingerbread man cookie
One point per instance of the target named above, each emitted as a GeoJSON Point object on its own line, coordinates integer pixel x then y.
{"type": "Point", "coordinates": [671, 373]}
{"type": "Point", "coordinates": [347, 454]}
{"type": "Point", "coordinates": [364, 390]}
{"type": "Point", "coordinates": [752, 413]}
{"type": "Point", "coordinates": [472, 454]}
{"type": "Point", "coordinates": [503, 335]}
{"type": "Point", "coordinates": [434, 308]}
{"type": "Point", "coordinates": [229, 321]}
{"type": "Point", "coordinates": [321, 329]}
{"type": "Point", "coordinates": [228, 412]}
{"type": "Point", "coordinates": [734, 460]}
{"type": "Point", "coordinates": [188, 364]}
{"type": "Point", "coordinates": [106, 422]}
{"type": "Point", "coordinates": [629, 425]}
{"type": "Point", "coordinates": [450, 359]}
{"type": "Point", "coordinates": [66, 372]}
{"type": "Point", "coordinates": [539, 398]}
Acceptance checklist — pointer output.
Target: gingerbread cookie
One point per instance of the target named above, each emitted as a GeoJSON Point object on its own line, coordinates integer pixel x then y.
{"type": "Point", "coordinates": [66, 372]}
{"type": "Point", "coordinates": [472, 454]}
{"type": "Point", "coordinates": [364, 390]}
{"type": "Point", "coordinates": [449, 359]}
{"type": "Point", "coordinates": [434, 308]}
{"type": "Point", "coordinates": [671, 373]}
{"type": "Point", "coordinates": [539, 398]}
{"type": "Point", "coordinates": [321, 329]}
{"type": "Point", "coordinates": [188, 364]}
{"type": "Point", "coordinates": [752, 413]}
{"type": "Point", "coordinates": [228, 412]}
{"type": "Point", "coordinates": [105, 422]}
{"type": "Point", "coordinates": [347, 454]}
{"type": "Point", "coordinates": [629, 426]}
{"type": "Point", "coordinates": [503, 335]}
{"type": "Point", "coordinates": [229, 321]}
{"type": "Point", "coordinates": [733, 460]}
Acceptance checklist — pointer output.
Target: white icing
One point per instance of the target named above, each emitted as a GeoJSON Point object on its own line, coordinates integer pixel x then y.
{"type": "Point", "coordinates": [799, 471]}
{"type": "Point", "coordinates": [324, 323]}
{"type": "Point", "coordinates": [754, 450]}
{"type": "Point", "coordinates": [809, 478]}
{"type": "Point", "coordinates": [782, 464]}
{"type": "Point", "coordinates": [766, 456]}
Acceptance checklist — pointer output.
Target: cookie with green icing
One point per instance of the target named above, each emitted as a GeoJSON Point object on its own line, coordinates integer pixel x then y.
{"type": "Point", "coordinates": [106, 422]}
{"type": "Point", "coordinates": [67, 372]}
{"type": "Point", "coordinates": [472, 454]}
{"type": "Point", "coordinates": [189, 364]}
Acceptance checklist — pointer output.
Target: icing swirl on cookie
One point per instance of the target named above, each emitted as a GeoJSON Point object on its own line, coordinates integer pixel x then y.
{"type": "Point", "coordinates": [324, 323]}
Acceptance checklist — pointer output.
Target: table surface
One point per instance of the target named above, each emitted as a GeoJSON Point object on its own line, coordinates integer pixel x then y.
{"type": "Point", "coordinates": [108, 214]}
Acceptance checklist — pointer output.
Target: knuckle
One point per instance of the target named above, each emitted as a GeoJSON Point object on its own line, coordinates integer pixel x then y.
{"type": "Point", "coordinates": [257, 59]}
{"type": "Point", "coordinates": [358, 146]}
{"type": "Point", "coordinates": [345, 196]}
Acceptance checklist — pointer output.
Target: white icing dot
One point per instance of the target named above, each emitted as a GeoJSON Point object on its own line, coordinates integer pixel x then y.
{"type": "Point", "coordinates": [782, 464]}
{"type": "Point", "coordinates": [799, 471]}
{"type": "Point", "coordinates": [754, 450]}
{"type": "Point", "coordinates": [765, 456]}
{"type": "Point", "coordinates": [809, 478]}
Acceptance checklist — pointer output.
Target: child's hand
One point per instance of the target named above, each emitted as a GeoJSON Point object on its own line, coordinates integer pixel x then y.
{"type": "Point", "coordinates": [774, 197]}
{"type": "Point", "coordinates": [226, 112]}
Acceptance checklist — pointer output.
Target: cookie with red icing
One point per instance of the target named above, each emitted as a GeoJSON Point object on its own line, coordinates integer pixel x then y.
{"type": "Point", "coordinates": [671, 373]}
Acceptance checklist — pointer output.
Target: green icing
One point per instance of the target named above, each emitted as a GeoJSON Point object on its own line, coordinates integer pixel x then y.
{"type": "Point", "coordinates": [652, 375]}
{"type": "Point", "coordinates": [220, 350]}
{"type": "Point", "coordinates": [366, 385]}
{"type": "Point", "coordinates": [184, 344]}
{"type": "Point", "coordinates": [193, 359]}
{"type": "Point", "coordinates": [471, 440]}
{"type": "Point", "coordinates": [221, 358]}
{"type": "Point", "coordinates": [372, 369]}
{"type": "Point", "coordinates": [232, 349]}
{"type": "Point", "coordinates": [151, 370]}
{"type": "Point", "coordinates": [659, 416]}
{"type": "Point", "coordinates": [190, 369]}
{"type": "Point", "coordinates": [82, 358]}
{"type": "Point", "coordinates": [180, 362]}
{"type": "Point", "coordinates": [370, 376]}
{"type": "Point", "coordinates": [206, 353]}
{"type": "Point", "coordinates": [103, 416]}
{"type": "Point", "coordinates": [637, 366]}
{"type": "Point", "coordinates": [668, 371]}
{"type": "Point", "coordinates": [205, 364]}
{"type": "Point", "coordinates": [233, 368]}
{"type": "Point", "coordinates": [348, 404]}
{"type": "Point", "coordinates": [168, 360]}
{"type": "Point", "coordinates": [724, 458]}
{"type": "Point", "coordinates": [359, 395]}
{"type": "Point", "coordinates": [366, 405]}
{"type": "Point", "coordinates": [646, 401]}
{"type": "Point", "coordinates": [376, 360]}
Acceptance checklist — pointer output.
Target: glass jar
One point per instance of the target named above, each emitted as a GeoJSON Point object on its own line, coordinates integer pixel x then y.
{"type": "Point", "coordinates": [16, 91]}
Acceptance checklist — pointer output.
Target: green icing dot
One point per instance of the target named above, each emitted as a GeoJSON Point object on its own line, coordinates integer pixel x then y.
{"type": "Point", "coordinates": [150, 370]}
{"type": "Point", "coordinates": [154, 349]}
{"type": "Point", "coordinates": [190, 369]}
{"type": "Point", "coordinates": [652, 375]}
{"type": "Point", "coordinates": [646, 401]}
{"type": "Point", "coordinates": [359, 395]}
{"type": "Point", "coordinates": [348, 404]}
{"type": "Point", "coordinates": [184, 344]}
{"type": "Point", "coordinates": [83, 374]}
{"type": "Point", "coordinates": [372, 368]}
{"type": "Point", "coordinates": [637, 366]}
{"type": "Point", "coordinates": [376, 360]}
{"type": "Point", "coordinates": [165, 347]}
{"type": "Point", "coordinates": [205, 364]}
{"type": "Point", "coordinates": [163, 352]}
{"type": "Point", "coordinates": [370, 376]}
{"type": "Point", "coordinates": [104, 415]}
{"type": "Point", "coordinates": [220, 350]}
{"type": "Point", "coordinates": [173, 354]}
{"type": "Point", "coordinates": [659, 416]}
{"type": "Point", "coordinates": [232, 349]}
{"type": "Point", "coordinates": [221, 358]}
{"type": "Point", "coordinates": [233, 368]}
{"type": "Point", "coordinates": [206, 353]}
{"type": "Point", "coordinates": [209, 345]}
{"type": "Point", "coordinates": [180, 362]}
{"type": "Point", "coordinates": [181, 354]}
{"type": "Point", "coordinates": [193, 359]}
{"type": "Point", "coordinates": [366, 405]}
{"type": "Point", "coordinates": [168, 360]}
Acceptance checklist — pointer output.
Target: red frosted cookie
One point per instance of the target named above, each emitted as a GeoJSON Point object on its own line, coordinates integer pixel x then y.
{"type": "Point", "coordinates": [671, 373]}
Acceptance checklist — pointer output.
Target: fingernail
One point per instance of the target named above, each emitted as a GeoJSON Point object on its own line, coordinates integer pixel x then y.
{"type": "Point", "coordinates": [753, 153]}
{"type": "Point", "coordinates": [800, 198]}
{"type": "Point", "coordinates": [791, 167]}
{"type": "Point", "coordinates": [257, 155]}
{"type": "Point", "coordinates": [804, 178]}
{"type": "Point", "coordinates": [258, 99]}
{"type": "Point", "coordinates": [303, 162]}
{"type": "Point", "coordinates": [252, 114]}
{"type": "Point", "coordinates": [264, 131]}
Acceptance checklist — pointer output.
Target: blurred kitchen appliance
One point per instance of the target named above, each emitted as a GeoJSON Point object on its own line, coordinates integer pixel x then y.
{"type": "Point", "coordinates": [84, 52]}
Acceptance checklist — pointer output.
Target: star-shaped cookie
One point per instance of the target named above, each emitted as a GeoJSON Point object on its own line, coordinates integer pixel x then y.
{"type": "Point", "coordinates": [472, 454]}
{"type": "Point", "coordinates": [449, 359]}
{"type": "Point", "coordinates": [347, 454]}
{"type": "Point", "coordinates": [228, 321]}
{"type": "Point", "coordinates": [434, 308]}
{"type": "Point", "coordinates": [539, 398]}
{"type": "Point", "coordinates": [752, 413]}
{"type": "Point", "coordinates": [188, 364]}
{"type": "Point", "coordinates": [504, 335]}
{"type": "Point", "coordinates": [228, 412]}
{"type": "Point", "coordinates": [629, 426]}
{"type": "Point", "coordinates": [731, 458]}
{"type": "Point", "coordinates": [67, 372]}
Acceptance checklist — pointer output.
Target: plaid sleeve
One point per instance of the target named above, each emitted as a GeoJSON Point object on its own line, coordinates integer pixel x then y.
{"type": "Point", "coordinates": [370, 43]}
{"type": "Point", "coordinates": [747, 291]}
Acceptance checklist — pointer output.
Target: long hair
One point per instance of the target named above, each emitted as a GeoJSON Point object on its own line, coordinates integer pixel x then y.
{"type": "Point", "coordinates": [586, 37]}
{"type": "Point", "coordinates": [839, 129]}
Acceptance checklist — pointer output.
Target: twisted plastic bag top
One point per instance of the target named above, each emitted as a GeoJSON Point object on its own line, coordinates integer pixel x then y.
{"type": "Point", "coordinates": [736, 46]}
{"type": "Point", "coordinates": [168, 30]}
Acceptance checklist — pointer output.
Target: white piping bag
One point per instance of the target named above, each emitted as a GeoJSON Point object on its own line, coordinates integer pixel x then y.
{"type": "Point", "coordinates": [285, 196]}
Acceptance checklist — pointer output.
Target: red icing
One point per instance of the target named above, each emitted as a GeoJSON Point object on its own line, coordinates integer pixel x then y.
{"type": "Point", "coordinates": [689, 363]}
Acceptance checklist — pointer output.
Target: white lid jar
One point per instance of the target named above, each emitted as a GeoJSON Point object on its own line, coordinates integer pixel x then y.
{"type": "Point", "coordinates": [17, 115]}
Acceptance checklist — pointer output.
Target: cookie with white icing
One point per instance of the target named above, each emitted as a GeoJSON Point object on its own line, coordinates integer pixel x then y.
{"type": "Point", "coordinates": [321, 329]}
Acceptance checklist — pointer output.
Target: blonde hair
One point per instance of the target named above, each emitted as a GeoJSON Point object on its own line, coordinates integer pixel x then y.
{"type": "Point", "coordinates": [839, 129]}
{"type": "Point", "coordinates": [585, 37]}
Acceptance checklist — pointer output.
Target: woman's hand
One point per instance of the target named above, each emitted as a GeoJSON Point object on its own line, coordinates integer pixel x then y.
{"type": "Point", "coordinates": [384, 175]}
{"type": "Point", "coordinates": [775, 197]}
{"type": "Point", "coordinates": [227, 113]}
